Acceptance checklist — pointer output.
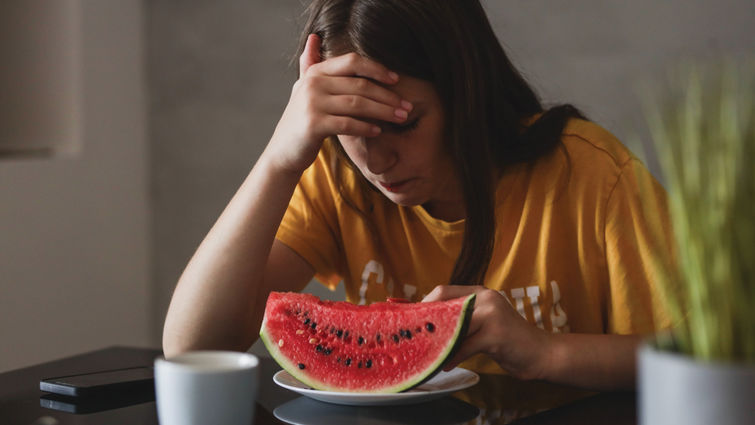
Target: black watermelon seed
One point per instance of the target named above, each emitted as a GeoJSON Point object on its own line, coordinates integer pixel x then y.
{"type": "Point", "coordinates": [327, 351]}
{"type": "Point", "coordinates": [347, 362]}
{"type": "Point", "coordinates": [339, 333]}
{"type": "Point", "coordinates": [360, 341]}
{"type": "Point", "coordinates": [377, 338]}
{"type": "Point", "coordinates": [430, 327]}
{"type": "Point", "coordinates": [306, 321]}
{"type": "Point", "coordinates": [338, 360]}
{"type": "Point", "coordinates": [301, 366]}
{"type": "Point", "coordinates": [408, 334]}
{"type": "Point", "coordinates": [368, 364]}
{"type": "Point", "coordinates": [319, 347]}
{"type": "Point", "coordinates": [359, 365]}
{"type": "Point", "coordinates": [346, 335]}
{"type": "Point", "coordinates": [401, 333]}
{"type": "Point", "coordinates": [314, 325]}
{"type": "Point", "coordinates": [395, 338]}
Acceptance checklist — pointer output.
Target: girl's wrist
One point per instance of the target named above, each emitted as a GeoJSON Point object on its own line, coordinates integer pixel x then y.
{"type": "Point", "coordinates": [590, 361]}
{"type": "Point", "coordinates": [274, 165]}
{"type": "Point", "coordinates": [535, 358]}
{"type": "Point", "coordinates": [547, 357]}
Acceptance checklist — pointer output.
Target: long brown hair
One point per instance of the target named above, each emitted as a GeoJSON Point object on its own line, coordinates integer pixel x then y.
{"type": "Point", "coordinates": [451, 44]}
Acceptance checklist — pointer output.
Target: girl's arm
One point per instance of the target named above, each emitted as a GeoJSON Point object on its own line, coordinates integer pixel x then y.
{"type": "Point", "coordinates": [598, 362]}
{"type": "Point", "coordinates": [220, 297]}
{"type": "Point", "coordinates": [593, 361]}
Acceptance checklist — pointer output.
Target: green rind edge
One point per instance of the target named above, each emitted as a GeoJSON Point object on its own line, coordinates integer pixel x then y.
{"type": "Point", "coordinates": [461, 327]}
{"type": "Point", "coordinates": [293, 370]}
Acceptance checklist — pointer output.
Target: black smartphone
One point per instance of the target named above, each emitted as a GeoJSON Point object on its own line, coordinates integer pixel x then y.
{"type": "Point", "coordinates": [85, 405]}
{"type": "Point", "coordinates": [102, 383]}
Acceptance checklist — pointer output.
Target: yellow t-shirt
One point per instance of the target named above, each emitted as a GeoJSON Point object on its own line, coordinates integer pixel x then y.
{"type": "Point", "coordinates": [576, 248]}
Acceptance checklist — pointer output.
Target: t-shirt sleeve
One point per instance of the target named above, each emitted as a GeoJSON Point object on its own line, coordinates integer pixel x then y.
{"type": "Point", "coordinates": [639, 253]}
{"type": "Point", "coordinates": [310, 224]}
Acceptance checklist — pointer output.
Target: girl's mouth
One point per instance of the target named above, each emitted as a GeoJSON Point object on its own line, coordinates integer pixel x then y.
{"type": "Point", "coordinates": [394, 187]}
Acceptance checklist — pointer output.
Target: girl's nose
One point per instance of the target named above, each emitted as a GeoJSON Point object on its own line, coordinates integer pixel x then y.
{"type": "Point", "coordinates": [380, 155]}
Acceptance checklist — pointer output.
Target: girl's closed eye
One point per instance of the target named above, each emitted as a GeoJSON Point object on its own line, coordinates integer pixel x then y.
{"type": "Point", "coordinates": [401, 128]}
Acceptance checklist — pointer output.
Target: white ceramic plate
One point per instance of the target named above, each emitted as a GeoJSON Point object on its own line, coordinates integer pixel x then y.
{"type": "Point", "coordinates": [441, 384]}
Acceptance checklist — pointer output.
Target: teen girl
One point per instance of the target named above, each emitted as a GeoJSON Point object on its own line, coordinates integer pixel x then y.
{"type": "Point", "coordinates": [413, 160]}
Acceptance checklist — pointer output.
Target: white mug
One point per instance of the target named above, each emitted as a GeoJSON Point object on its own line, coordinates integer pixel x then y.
{"type": "Point", "coordinates": [206, 387]}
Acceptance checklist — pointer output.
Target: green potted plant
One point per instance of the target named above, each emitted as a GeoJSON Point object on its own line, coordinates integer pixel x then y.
{"type": "Point", "coordinates": [703, 129]}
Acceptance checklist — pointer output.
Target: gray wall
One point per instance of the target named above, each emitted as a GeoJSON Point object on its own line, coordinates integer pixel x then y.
{"type": "Point", "coordinates": [74, 245]}
{"type": "Point", "coordinates": [595, 53]}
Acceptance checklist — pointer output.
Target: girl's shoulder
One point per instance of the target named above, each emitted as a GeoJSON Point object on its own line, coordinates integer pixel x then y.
{"type": "Point", "coordinates": [587, 163]}
{"type": "Point", "coordinates": [590, 144]}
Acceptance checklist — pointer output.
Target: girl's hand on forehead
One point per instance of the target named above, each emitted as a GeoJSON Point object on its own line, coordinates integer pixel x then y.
{"type": "Point", "coordinates": [348, 65]}
{"type": "Point", "coordinates": [343, 95]}
{"type": "Point", "coordinates": [497, 330]}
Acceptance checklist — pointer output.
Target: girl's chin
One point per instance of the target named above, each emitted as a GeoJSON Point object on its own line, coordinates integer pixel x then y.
{"type": "Point", "coordinates": [401, 199]}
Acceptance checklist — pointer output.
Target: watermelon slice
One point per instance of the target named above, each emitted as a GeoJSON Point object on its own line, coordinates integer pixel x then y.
{"type": "Point", "coordinates": [385, 347]}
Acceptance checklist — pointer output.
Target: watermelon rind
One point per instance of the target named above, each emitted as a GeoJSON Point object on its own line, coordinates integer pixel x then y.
{"type": "Point", "coordinates": [461, 331]}
{"type": "Point", "coordinates": [461, 328]}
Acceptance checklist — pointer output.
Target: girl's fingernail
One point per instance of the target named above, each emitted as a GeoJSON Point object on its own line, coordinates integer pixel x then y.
{"type": "Point", "coordinates": [375, 129]}
{"type": "Point", "coordinates": [393, 76]}
{"type": "Point", "coordinates": [400, 113]}
{"type": "Point", "coordinates": [407, 105]}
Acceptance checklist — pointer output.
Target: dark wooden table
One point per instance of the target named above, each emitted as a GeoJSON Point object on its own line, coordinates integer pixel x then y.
{"type": "Point", "coordinates": [495, 400]}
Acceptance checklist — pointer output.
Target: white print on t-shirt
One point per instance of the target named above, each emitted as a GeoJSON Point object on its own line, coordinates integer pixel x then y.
{"type": "Point", "coordinates": [558, 315]}
{"type": "Point", "coordinates": [375, 270]}
{"type": "Point", "coordinates": [531, 294]}
{"type": "Point", "coordinates": [375, 273]}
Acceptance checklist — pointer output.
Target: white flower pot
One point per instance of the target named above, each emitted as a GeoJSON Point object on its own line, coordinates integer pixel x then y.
{"type": "Point", "coordinates": [677, 389]}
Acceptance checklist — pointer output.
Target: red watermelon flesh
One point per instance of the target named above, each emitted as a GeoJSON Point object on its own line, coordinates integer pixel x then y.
{"type": "Point", "coordinates": [385, 347]}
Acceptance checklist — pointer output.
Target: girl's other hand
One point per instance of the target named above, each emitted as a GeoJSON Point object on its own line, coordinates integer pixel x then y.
{"type": "Point", "coordinates": [342, 95]}
{"type": "Point", "coordinates": [497, 330]}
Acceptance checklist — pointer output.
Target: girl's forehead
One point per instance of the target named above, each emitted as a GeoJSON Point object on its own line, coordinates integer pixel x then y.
{"type": "Point", "coordinates": [415, 90]}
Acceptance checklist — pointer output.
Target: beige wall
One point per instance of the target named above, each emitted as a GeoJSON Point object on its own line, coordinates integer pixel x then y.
{"type": "Point", "coordinates": [74, 248]}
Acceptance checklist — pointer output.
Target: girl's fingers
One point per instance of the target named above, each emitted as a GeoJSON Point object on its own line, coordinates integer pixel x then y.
{"type": "Point", "coordinates": [362, 98]}
{"type": "Point", "coordinates": [310, 55]}
{"type": "Point", "coordinates": [362, 107]}
{"type": "Point", "coordinates": [346, 125]}
{"type": "Point", "coordinates": [366, 88]}
{"type": "Point", "coordinates": [354, 65]}
{"type": "Point", "coordinates": [472, 344]}
{"type": "Point", "coordinates": [447, 292]}
{"type": "Point", "coordinates": [351, 85]}
{"type": "Point", "coordinates": [479, 336]}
